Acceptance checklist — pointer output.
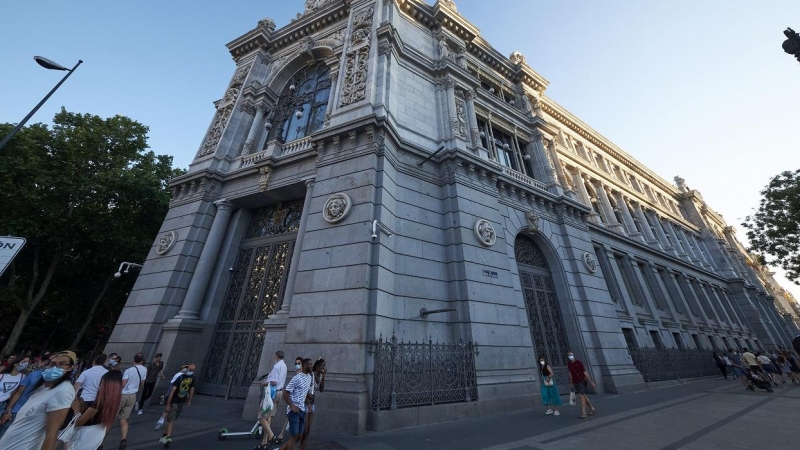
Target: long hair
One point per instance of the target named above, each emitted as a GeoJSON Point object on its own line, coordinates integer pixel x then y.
{"type": "Point", "coordinates": [543, 368]}
{"type": "Point", "coordinates": [109, 396]}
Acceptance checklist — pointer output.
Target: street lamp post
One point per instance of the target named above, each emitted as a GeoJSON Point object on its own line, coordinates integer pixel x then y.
{"type": "Point", "coordinates": [792, 43]}
{"type": "Point", "coordinates": [47, 64]}
{"type": "Point", "coordinates": [125, 267]}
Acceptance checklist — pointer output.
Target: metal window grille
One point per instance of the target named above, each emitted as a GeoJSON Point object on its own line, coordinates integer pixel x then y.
{"type": "Point", "coordinates": [422, 373]}
{"type": "Point", "coordinates": [661, 364]}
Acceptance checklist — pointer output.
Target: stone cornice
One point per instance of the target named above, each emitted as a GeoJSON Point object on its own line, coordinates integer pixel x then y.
{"type": "Point", "coordinates": [262, 37]}
{"type": "Point", "coordinates": [566, 118]}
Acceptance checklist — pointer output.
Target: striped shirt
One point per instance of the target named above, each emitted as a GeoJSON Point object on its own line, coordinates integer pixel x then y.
{"type": "Point", "coordinates": [298, 389]}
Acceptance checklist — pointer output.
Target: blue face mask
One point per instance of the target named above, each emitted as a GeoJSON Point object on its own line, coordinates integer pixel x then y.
{"type": "Point", "coordinates": [53, 373]}
{"type": "Point", "coordinates": [113, 363]}
{"type": "Point", "coordinates": [189, 372]}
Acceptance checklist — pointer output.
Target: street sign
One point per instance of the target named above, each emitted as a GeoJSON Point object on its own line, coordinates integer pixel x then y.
{"type": "Point", "coordinates": [9, 247]}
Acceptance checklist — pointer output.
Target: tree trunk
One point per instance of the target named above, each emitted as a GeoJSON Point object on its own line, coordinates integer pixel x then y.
{"type": "Point", "coordinates": [90, 315]}
{"type": "Point", "coordinates": [32, 300]}
{"type": "Point", "coordinates": [24, 314]}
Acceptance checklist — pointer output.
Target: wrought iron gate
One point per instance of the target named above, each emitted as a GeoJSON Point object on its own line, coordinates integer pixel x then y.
{"type": "Point", "coordinates": [254, 293]}
{"type": "Point", "coordinates": [544, 312]}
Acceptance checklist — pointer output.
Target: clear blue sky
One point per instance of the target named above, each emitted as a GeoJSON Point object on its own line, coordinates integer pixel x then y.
{"type": "Point", "coordinates": [700, 89]}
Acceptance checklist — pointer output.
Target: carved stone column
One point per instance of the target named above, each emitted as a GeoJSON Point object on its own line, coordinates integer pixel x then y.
{"type": "Point", "coordinates": [582, 181]}
{"type": "Point", "coordinates": [633, 232]}
{"type": "Point", "coordinates": [472, 120]}
{"type": "Point", "coordinates": [608, 210]}
{"type": "Point", "coordinates": [543, 169]}
{"type": "Point", "coordinates": [666, 243]}
{"type": "Point", "coordinates": [688, 247]}
{"type": "Point", "coordinates": [680, 251]}
{"type": "Point", "coordinates": [334, 76]}
{"type": "Point", "coordinates": [649, 236]}
{"type": "Point", "coordinates": [205, 265]}
{"type": "Point", "coordinates": [260, 110]}
{"type": "Point", "coordinates": [291, 278]}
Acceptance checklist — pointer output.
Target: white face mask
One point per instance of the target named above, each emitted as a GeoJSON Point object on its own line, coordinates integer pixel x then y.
{"type": "Point", "coordinates": [571, 358]}
{"type": "Point", "coordinates": [297, 366]}
{"type": "Point", "coordinates": [541, 362]}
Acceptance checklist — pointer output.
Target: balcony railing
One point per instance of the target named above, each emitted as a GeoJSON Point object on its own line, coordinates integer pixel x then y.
{"type": "Point", "coordinates": [249, 160]}
{"type": "Point", "coordinates": [295, 146]}
{"type": "Point", "coordinates": [522, 178]}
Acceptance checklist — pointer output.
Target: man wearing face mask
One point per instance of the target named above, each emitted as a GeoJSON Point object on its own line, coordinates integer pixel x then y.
{"type": "Point", "coordinates": [113, 362]}
{"type": "Point", "coordinates": [180, 396]}
{"type": "Point", "coordinates": [579, 378]}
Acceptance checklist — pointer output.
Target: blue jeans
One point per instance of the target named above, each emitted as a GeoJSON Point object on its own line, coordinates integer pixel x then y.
{"type": "Point", "coordinates": [297, 422]}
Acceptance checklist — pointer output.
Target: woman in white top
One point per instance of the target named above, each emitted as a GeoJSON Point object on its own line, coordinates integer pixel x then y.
{"type": "Point", "coordinates": [10, 377]}
{"type": "Point", "coordinates": [38, 422]}
{"type": "Point", "coordinates": [100, 415]}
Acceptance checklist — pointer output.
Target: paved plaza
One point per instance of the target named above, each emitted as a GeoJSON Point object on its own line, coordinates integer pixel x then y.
{"type": "Point", "coordinates": [706, 414]}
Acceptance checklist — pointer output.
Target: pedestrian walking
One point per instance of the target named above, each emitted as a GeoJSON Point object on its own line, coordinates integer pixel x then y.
{"type": "Point", "coordinates": [721, 366]}
{"type": "Point", "coordinates": [273, 385]}
{"type": "Point", "coordinates": [89, 381]}
{"type": "Point", "coordinates": [132, 382]}
{"type": "Point", "coordinates": [738, 367]}
{"type": "Point", "coordinates": [162, 420]}
{"type": "Point", "coordinates": [298, 369]}
{"type": "Point", "coordinates": [10, 379]}
{"type": "Point", "coordinates": [21, 395]}
{"type": "Point", "coordinates": [296, 394]}
{"type": "Point", "coordinates": [580, 380]}
{"type": "Point", "coordinates": [180, 396]}
{"type": "Point", "coordinates": [751, 361]}
{"type": "Point", "coordinates": [93, 423]}
{"type": "Point", "coordinates": [318, 372]}
{"type": "Point", "coordinates": [766, 367]}
{"type": "Point", "coordinates": [551, 399]}
{"type": "Point", "coordinates": [37, 423]}
{"type": "Point", "coordinates": [794, 368]}
{"type": "Point", "coordinates": [113, 361]}
{"type": "Point", "coordinates": [155, 370]}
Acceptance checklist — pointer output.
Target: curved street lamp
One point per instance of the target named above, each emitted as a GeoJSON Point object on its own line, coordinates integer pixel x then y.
{"type": "Point", "coordinates": [47, 64]}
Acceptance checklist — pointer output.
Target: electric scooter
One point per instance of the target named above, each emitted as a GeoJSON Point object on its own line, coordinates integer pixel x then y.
{"type": "Point", "coordinates": [255, 433]}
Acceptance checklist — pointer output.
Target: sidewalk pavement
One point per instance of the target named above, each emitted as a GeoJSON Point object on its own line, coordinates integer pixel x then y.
{"type": "Point", "coordinates": [704, 414]}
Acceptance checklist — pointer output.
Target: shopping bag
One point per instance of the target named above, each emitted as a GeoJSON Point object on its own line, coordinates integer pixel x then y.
{"type": "Point", "coordinates": [267, 404]}
{"type": "Point", "coordinates": [66, 434]}
{"type": "Point", "coordinates": [572, 398]}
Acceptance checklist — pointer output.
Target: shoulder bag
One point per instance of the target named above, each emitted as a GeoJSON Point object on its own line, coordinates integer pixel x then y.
{"type": "Point", "coordinates": [66, 434]}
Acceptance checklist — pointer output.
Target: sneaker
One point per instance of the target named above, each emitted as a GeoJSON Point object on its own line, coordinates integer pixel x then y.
{"type": "Point", "coordinates": [136, 406]}
{"type": "Point", "coordinates": [163, 440]}
{"type": "Point", "coordinates": [168, 440]}
{"type": "Point", "coordinates": [548, 412]}
{"type": "Point", "coordinates": [160, 424]}
{"type": "Point", "coordinates": [123, 444]}
{"type": "Point", "coordinates": [140, 412]}
{"type": "Point", "coordinates": [556, 413]}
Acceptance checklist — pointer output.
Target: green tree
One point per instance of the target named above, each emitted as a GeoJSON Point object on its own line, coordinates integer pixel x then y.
{"type": "Point", "coordinates": [86, 194]}
{"type": "Point", "coordinates": [774, 230]}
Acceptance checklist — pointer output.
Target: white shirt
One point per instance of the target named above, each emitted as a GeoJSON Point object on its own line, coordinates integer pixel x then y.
{"type": "Point", "coordinates": [278, 373]}
{"type": "Point", "coordinates": [8, 383]}
{"type": "Point", "coordinates": [90, 381]}
{"type": "Point", "coordinates": [28, 429]}
{"type": "Point", "coordinates": [135, 376]}
{"type": "Point", "coordinates": [764, 360]}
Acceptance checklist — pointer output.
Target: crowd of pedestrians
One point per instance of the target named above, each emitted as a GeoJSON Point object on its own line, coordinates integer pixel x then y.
{"type": "Point", "coordinates": [759, 370]}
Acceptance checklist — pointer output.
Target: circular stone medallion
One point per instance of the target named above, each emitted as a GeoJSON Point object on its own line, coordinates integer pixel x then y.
{"type": "Point", "coordinates": [166, 242]}
{"type": "Point", "coordinates": [484, 232]}
{"type": "Point", "coordinates": [336, 207]}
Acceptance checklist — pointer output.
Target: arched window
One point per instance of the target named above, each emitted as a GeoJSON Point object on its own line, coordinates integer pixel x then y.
{"type": "Point", "coordinates": [302, 104]}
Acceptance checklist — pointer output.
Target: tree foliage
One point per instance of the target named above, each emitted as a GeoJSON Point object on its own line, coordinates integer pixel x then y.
{"type": "Point", "coordinates": [86, 194]}
{"type": "Point", "coordinates": [774, 230]}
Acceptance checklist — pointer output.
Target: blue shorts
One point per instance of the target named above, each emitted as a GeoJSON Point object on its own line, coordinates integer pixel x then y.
{"type": "Point", "coordinates": [297, 423]}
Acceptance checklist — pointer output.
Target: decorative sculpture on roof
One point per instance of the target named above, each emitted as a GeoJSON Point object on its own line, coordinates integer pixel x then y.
{"type": "Point", "coordinates": [449, 4]}
{"type": "Point", "coordinates": [517, 58]}
{"type": "Point", "coordinates": [313, 5]}
{"type": "Point", "coordinates": [267, 24]}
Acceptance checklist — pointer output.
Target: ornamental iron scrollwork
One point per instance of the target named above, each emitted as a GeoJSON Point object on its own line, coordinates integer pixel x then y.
{"type": "Point", "coordinates": [275, 219]}
{"type": "Point", "coordinates": [254, 294]}
{"type": "Point", "coordinates": [410, 374]}
{"type": "Point", "coordinates": [527, 252]}
{"type": "Point", "coordinates": [302, 104]}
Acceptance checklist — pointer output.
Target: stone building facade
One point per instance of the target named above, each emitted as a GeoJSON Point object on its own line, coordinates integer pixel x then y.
{"type": "Point", "coordinates": [374, 158]}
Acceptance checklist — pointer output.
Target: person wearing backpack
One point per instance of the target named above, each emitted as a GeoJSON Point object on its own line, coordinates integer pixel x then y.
{"type": "Point", "coordinates": [41, 417]}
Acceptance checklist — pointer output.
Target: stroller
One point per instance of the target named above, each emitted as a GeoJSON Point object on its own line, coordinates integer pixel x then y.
{"type": "Point", "coordinates": [757, 381]}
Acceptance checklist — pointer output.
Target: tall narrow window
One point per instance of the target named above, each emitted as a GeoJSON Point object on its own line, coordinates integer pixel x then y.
{"type": "Point", "coordinates": [626, 280]}
{"type": "Point", "coordinates": [656, 337]}
{"type": "Point", "coordinates": [630, 339]}
{"type": "Point", "coordinates": [301, 106]}
{"type": "Point", "coordinates": [678, 340]}
{"type": "Point", "coordinates": [697, 343]}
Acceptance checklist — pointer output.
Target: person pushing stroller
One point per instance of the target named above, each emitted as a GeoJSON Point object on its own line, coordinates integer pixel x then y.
{"type": "Point", "coordinates": [757, 381]}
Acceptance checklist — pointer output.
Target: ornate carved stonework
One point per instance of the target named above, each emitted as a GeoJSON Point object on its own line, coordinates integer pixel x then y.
{"type": "Point", "coordinates": [355, 75]}
{"type": "Point", "coordinates": [589, 262]}
{"type": "Point", "coordinates": [444, 51]}
{"type": "Point", "coordinates": [240, 75]}
{"type": "Point", "coordinates": [449, 4]}
{"type": "Point", "coordinates": [267, 24]}
{"type": "Point", "coordinates": [336, 207]}
{"type": "Point", "coordinates": [461, 118]}
{"type": "Point", "coordinates": [166, 242]}
{"type": "Point", "coordinates": [313, 5]}
{"type": "Point", "coordinates": [532, 220]}
{"type": "Point", "coordinates": [484, 232]}
{"type": "Point", "coordinates": [517, 58]}
{"type": "Point", "coordinates": [224, 109]}
{"type": "Point", "coordinates": [266, 174]}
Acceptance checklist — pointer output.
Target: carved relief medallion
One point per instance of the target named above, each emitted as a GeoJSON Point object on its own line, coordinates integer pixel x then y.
{"type": "Point", "coordinates": [166, 242]}
{"type": "Point", "coordinates": [589, 262]}
{"type": "Point", "coordinates": [336, 207]}
{"type": "Point", "coordinates": [484, 232]}
{"type": "Point", "coordinates": [532, 220]}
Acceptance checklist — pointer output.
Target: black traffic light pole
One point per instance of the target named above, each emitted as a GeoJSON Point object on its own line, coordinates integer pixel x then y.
{"type": "Point", "coordinates": [792, 43]}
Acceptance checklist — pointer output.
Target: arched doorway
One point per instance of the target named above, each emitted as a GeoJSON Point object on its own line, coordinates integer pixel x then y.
{"type": "Point", "coordinates": [544, 313]}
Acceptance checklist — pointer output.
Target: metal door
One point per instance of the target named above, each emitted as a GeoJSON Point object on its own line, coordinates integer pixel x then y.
{"type": "Point", "coordinates": [544, 312]}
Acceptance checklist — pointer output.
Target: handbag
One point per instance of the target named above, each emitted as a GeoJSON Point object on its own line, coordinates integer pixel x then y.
{"type": "Point", "coordinates": [548, 381]}
{"type": "Point", "coordinates": [66, 434]}
{"type": "Point", "coordinates": [572, 398]}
